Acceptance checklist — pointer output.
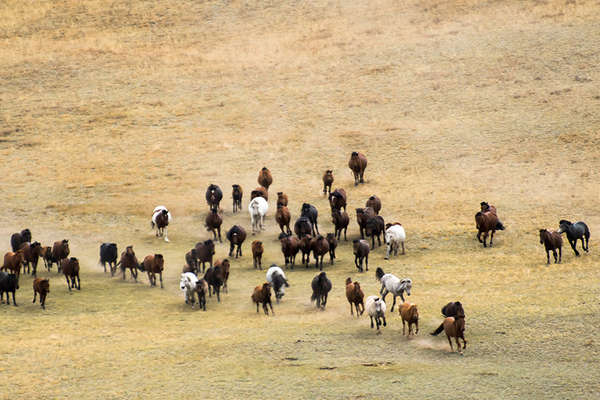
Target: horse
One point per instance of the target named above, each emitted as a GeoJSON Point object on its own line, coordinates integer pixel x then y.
{"type": "Point", "coordinates": [262, 295]}
{"type": "Point", "coordinates": [258, 208]}
{"type": "Point", "coordinates": [321, 285]}
{"type": "Point", "coordinates": [201, 290]}
{"type": "Point", "coordinates": [154, 264]}
{"type": "Point", "coordinates": [13, 261]}
{"type": "Point", "coordinates": [358, 164]}
{"type": "Point", "coordinates": [191, 261]}
{"type": "Point", "coordinates": [213, 223]}
{"type": "Point", "coordinates": [355, 296]}
{"type": "Point", "coordinates": [9, 283]}
{"type": "Point", "coordinates": [327, 181]}
{"type": "Point", "coordinates": [282, 216]}
{"type": "Point", "coordinates": [276, 278]}
{"type": "Point", "coordinates": [129, 260]}
{"type": "Point", "coordinates": [455, 327]}
{"type": "Point", "coordinates": [109, 254]}
{"type": "Point", "coordinates": [375, 203]}
{"type": "Point", "coordinates": [265, 179]}
{"type": "Point", "coordinates": [46, 254]}
{"type": "Point", "coordinates": [376, 308]}
{"type": "Point", "coordinates": [390, 283]}
{"type": "Point", "coordinates": [341, 220]}
{"type": "Point", "coordinates": [282, 199]}
{"type": "Point", "coordinates": [332, 246]}
{"type": "Point", "coordinates": [41, 286]}
{"type": "Point", "coordinates": [187, 284]}
{"type": "Point", "coordinates": [394, 237]}
{"type": "Point", "coordinates": [305, 249]}
{"type": "Point", "coordinates": [236, 236]}
{"type": "Point", "coordinates": [17, 239]}
{"type": "Point", "coordinates": [204, 251]}
{"type": "Point", "coordinates": [303, 227]}
{"type": "Point", "coordinates": [213, 196]}
{"type": "Point", "coordinates": [60, 251]}
{"type": "Point", "coordinates": [224, 266]}
{"type": "Point", "coordinates": [361, 251]}
{"type": "Point", "coordinates": [290, 245]}
{"type": "Point", "coordinates": [31, 256]}
{"type": "Point", "coordinates": [161, 217]}
{"type": "Point", "coordinates": [410, 315]}
{"type": "Point", "coordinates": [576, 231]}
{"type": "Point", "coordinates": [374, 227]}
{"type": "Point", "coordinates": [485, 222]}
{"type": "Point", "coordinates": [451, 309]}
{"type": "Point", "coordinates": [319, 247]}
{"type": "Point", "coordinates": [215, 278]}
{"type": "Point", "coordinates": [309, 211]}
{"type": "Point", "coordinates": [551, 241]}
{"type": "Point", "coordinates": [362, 216]}
{"type": "Point", "coordinates": [257, 252]}
{"type": "Point", "coordinates": [337, 199]}
{"type": "Point", "coordinates": [70, 267]}
{"type": "Point", "coordinates": [236, 194]}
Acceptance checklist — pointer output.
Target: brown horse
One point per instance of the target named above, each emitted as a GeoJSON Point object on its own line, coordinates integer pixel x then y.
{"type": "Point", "coordinates": [282, 216]}
{"type": "Point", "coordinates": [455, 328]}
{"type": "Point", "coordinates": [551, 241]}
{"type": "Point", "coordinates": [485, 222]}
{"type": "Point", "coordinates": [289, 247]}
{"type": "Point", "coordinates": [70, 267]}
{"type": "Point", "coordinates": [282, 199]}
{"type": "Point", "coordinates": [358, 164]}
{"type": "Point", "coordinates": [338, 199]}
{"type": "Point", "coordinates": [355, 296]}
{"type": "Point", "coordinates": [236, 194]}
{"type": "Point", "coordinates": [409, 314]}
{"type": "Point", "coordinates": [224, 266]}
{"type": "Point", "coordinates": [13, 261]}
{"type": "Point", "coordinates": [60, 251]}
{"type": "Point", "coordinates": [262, 295]}
{"type": "Point", "coordinates": [327, 181]}
{"type": "Point", "coordinates": [257, 252]}
{"type": "Point", "coordinates": [41, 286]}
{"type": "Point", "coordinates": [362, 216]}
{"type": "Point", "coordinates": [375, 203]}
{"type": "Point", "coordinates": [213, 223]}
{"type": "Point", "coordinates": [129, 260]}
{"type": "Point", "coordinates": [154, 264]}
{"type": "Point", "coordinates": [341, 220]}
{"type": "Point", "coordinates": [319, 247]}
{"type": "Point", "coordinates": [265, 179]}
{"type": "Point", "coordinates": [31, 256]}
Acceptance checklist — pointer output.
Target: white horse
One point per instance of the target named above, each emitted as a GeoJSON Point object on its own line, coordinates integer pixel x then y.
{"type": "Point", "coordinates": [160, 222]}
{"type": "Point", "coordinates": [376, 309]}
{"type": "Point", "coordinates": [394, 237]}
{"type": "Point", "coordinates": [276, 277]}
{"type": "Point", "coordinates": [258, 208]}
{"type": "Point", "coordinates": [188, 286]}
{"type": "Point", "coordinates": [390, 283]}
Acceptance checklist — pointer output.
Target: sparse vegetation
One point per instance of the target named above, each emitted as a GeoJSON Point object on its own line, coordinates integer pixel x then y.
{"type": "Point", "coordinates": [110, 109]}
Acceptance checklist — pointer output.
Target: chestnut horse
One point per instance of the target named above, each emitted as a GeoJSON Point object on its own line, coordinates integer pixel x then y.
{"type": "Point", "coordinates": [551, 241]}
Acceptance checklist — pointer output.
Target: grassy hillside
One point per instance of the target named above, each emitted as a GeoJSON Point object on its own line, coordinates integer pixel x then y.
{"type": "Point", "coordinates": [109, 109]}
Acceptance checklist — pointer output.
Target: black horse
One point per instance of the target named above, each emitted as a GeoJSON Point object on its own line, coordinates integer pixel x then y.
{"type": "Point", "coordinates": [576, 231]}
{"type": "Point", "coordinates": [309, 211]}
{"type": "Point", "coordinates": [213, 196]}
{"type": "Point", "coordinates": [321, 285]}
{"type": "Point", "coordinates": [453, 309]}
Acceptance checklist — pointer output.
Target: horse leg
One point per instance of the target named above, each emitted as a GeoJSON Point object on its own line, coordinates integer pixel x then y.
{"type": "Point", "coordinates": [403, 327]}
{"type": "Point", "coordinates": [257, 308]}
{"type": "Point", "coordinates": [458, 344]}
{"type": "Point", "coordinates": [547, 256]}
{"type": "Point", "coordinates": [450, 341]}
{"type": "Point", "coordinates": [68, 283]}
{"type": "Point", "coordinates": [417, 327]}
{"type": "Point", "coordinates": [479, 237]}
{"type": "Point", "coordinates": [161, 281]}
{"type": "Point", "coordinates": [555, 256]}
{"type": "Point", "coordinates": [492, 238]}
{"type": "Point", "coordinates": [271, 305]}
{"type": "Point", "coordinates": [351, 312]}
{"type": "Point", "coordinates": [367, 262]}
{"type": "Point", "coordinates": [573, 244]}
{"type": "Point", "coordinates": [356, 263]}
{"type": "Point", "coordinates": [345, 230]}
{"type": "Point", "coordinates": [35, 295]}
{"type": "Point", "coordinates": [485, 235]}
{"type": "Point", "coordinates": [371, 321]}
{"type": "Point", "coordinates": [559, 254]}
{"type": "Point", "coordinates": [403, 248]}
{"type": "Point", "coordinates": [393, 303]}
{"type": "Point", "coordinates": [356, 184]}
{"type": "Point", "coordinates": [217, 290]}
{"type": "Point", "coordinates": [384, 321]}
{"type": "Point", "coordinates": [78, 283]}
{"type": "Point", "coordinates": [325, 300]}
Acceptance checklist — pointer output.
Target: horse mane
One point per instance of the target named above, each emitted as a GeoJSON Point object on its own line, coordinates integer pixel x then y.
{"type": "Point", "coordinates": [379, 273]}
{"type": "Point", "coordinates": [565, 222]}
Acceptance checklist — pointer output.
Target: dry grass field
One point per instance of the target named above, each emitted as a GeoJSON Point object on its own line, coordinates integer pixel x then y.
{"type": "Point", "coordinates": [108, 109]}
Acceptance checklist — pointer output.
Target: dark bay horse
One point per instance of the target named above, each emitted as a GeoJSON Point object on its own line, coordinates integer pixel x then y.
{"type": "Point", "coordinates": [576, 231]}
{"type": "Point", "coordinates": [485, 222]}
{"type": "Point", "coordinates": [551, 241]}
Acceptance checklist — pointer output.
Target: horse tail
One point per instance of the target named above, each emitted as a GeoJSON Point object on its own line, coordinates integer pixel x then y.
{"type": "Point", "coordinates": [438, 330]}
{"type": "Point", "coordinates": [313, 297]}
{"type": "Point", "coordinates": [499, 226]}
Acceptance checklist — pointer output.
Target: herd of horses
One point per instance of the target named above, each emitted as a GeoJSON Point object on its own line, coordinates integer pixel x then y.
{"type": "Point", "coordinates": [198, 281]}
